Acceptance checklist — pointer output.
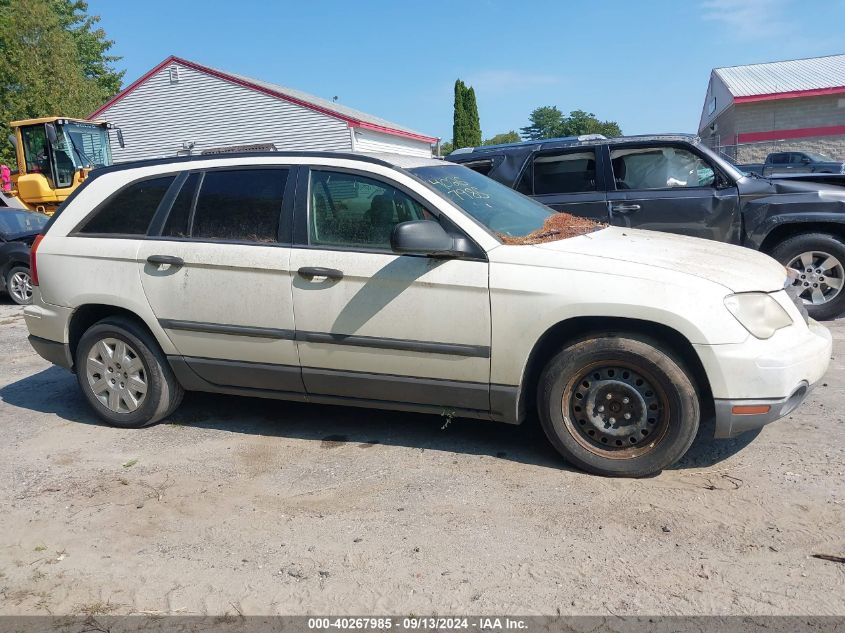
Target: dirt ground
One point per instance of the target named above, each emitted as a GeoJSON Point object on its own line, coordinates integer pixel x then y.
{"type": "Point", "coordinates": [262, 507]}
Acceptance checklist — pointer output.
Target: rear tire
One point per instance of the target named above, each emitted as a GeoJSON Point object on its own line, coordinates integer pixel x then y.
{"type": "Point", "coordinates": [617, 405]}
{"type": "Point", "coordinates": [19, 285]}
{"type": "Point", "coordinates": [814, 250]}
{"type": "Point", "coordinates": [124, 375]}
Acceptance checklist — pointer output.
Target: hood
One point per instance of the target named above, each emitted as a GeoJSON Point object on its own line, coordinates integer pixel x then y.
{"type": "Point", "coordinates": [795, 184]}
{"type": "Point", "coordinates": [734, 267]}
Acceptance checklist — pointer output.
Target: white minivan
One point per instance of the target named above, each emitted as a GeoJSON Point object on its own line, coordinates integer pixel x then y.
{"type": "Point", "coordinates": [416, 285]}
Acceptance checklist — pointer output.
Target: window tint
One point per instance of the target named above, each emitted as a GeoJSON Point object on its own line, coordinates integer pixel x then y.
{"type": "Point", "coordinates": [565, 173]}
{"type": "Point", "coordinates": [243, 205]}
{"type": "Point", "coordinates": [130, 211]}
{"type": "Point", "coordinates": [180, 212]}
{"type": "Point", "coordinates": [779, 159]}
{"type": "Point", "coordinates": [351, 210]}
{"type": "Point", "coordinates": [796, 159]}
{"type": "Point", "coordinates": [659, 168]}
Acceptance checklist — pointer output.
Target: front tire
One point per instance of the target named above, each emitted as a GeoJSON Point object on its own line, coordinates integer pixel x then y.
{"type": "Point", "coordinates": [617, 405]}
{"type": "Point", "coordinates": [819, 259]}
{"type": "Point", "coordinates": [124, 375]}
{"type": "Point", "coordinates": [19, 285]}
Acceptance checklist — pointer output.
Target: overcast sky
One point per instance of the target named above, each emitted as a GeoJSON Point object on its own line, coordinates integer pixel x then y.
{"type": "Point", "coordinates": [642, 64]}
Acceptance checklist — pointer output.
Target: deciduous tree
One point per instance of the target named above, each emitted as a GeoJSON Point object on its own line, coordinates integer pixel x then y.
{"type": "Point", "coordinates": [49, 59]}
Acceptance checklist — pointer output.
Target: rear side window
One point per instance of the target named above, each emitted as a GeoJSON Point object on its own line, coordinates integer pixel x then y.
{"type": "Point", "coordinates": [240, 205]}
{"type": "Point", "coordinates": [483, 167]}
{"type": "Point", "coordinates": [130, 211]}
{"type": "Point", "coordinates": [571, 172]}
{"type": "Point", "coordinates": [779, 159]}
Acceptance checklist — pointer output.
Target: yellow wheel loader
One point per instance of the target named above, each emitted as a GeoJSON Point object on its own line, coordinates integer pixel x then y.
{"type": "Point", "coordinates": [55, 155]}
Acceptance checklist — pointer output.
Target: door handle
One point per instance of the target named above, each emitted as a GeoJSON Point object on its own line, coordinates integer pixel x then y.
{"type": "Point", "coordinates": [169, 260]}
{"type": "Point", "coordinates": [309, 272]}
{"type": "Point", "coordinates": [623, 209]}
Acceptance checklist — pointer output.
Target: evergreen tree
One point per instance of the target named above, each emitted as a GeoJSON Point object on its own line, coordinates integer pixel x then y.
{"type": "Point", "coordinates": [458, 116]}
{"type": "Point", "coordinates": [473, 133]}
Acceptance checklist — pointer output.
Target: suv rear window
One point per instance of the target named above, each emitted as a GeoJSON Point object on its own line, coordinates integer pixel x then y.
{"type": "Point", "coordinates": [240, 205]}
{"type": "Point", "coordinates": [130, 211]}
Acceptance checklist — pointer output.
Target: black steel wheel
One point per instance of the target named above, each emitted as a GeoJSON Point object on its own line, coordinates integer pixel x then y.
{"type": "Point", "coordinates": [618, 405]}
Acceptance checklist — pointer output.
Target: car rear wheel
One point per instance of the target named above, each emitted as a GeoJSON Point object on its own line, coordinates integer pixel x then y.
{"type": "Point", "coordinates": [617, 405]}
{"type": "Point", "coordinates": [819, 260]}
{"type": "Point", "coordinates": [124, 375]}
{"type": "Point", "coordinates": [19, 285]}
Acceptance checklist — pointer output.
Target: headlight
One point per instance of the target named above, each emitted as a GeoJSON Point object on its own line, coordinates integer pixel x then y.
{"type": "Point", "coordinates": [758, 312]}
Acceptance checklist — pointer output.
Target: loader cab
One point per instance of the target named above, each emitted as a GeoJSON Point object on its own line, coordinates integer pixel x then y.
{"type": "Point", "coordinates": [55, 155]}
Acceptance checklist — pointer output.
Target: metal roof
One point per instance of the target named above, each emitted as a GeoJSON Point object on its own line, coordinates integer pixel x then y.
{"type": "Point", "coordinates": [325, 104]}
{"type": "Point", "coordinates": [350, 115]}
{"type": "Point", "coordinates": [795, 75]}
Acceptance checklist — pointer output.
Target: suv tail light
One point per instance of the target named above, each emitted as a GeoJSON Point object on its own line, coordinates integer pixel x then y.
{"type": "Point", "coordinates": [33, 268]}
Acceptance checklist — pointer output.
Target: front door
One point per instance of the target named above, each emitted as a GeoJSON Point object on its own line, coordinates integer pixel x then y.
{"type": "Point", "coordinates": [672, 189]}
{"type": "Point", "coordinates": [567, 181]}
{"type": "Point", "coordinates": [376, 326]}
{"type": "Point", "coordinates": [217, 277]}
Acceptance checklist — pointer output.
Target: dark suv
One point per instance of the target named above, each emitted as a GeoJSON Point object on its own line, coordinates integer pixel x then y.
{"type": "Point", "coordinates": [674, 183]}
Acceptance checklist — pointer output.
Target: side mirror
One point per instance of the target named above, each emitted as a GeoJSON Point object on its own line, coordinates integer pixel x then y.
{"type": "Point", "coordinates": [51, 133]}
{"type": "Point", "coordinates": [805, 160]}
{"type": "Point", "coordinates": [425, 237]}
{"type": "Point", "coordinates": [120, 138]}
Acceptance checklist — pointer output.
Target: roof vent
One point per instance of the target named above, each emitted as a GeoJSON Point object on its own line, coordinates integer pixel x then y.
{"type": "Point", "coordinates": [174, 74]}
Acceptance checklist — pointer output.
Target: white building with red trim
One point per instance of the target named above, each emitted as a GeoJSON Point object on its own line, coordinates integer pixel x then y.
{"type": "Point", "coordinates": [798, 104]}
{"type": "Point", "coordinates": [181, 107]}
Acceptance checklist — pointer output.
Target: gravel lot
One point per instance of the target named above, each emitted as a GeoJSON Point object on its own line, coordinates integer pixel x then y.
{"type": "Point", "coordinates": [264, 507]}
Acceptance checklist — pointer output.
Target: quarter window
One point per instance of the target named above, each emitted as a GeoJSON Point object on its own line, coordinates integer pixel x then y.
{"type": "Point", "coordinates": [130, 211]}
{"type": "Point", "coordinates": [239, 205]}
{"type": "Point", "coordinates": [659, 168]}
{"type": "Point", "coordinates": [351, 210]}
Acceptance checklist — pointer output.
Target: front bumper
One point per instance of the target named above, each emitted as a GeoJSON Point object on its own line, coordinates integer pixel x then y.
{"type": "Point", "coordinates": [730, 423]}
{"type": "Point", "coordinates": [778, 372]}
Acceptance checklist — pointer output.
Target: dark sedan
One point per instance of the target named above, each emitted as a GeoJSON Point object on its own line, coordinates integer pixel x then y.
{"type": "Point", "coordinates": [18, 229]}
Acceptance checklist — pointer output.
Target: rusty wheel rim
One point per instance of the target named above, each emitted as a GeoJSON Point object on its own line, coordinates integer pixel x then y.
{"type": "Point", "coordinates": [616, 410]}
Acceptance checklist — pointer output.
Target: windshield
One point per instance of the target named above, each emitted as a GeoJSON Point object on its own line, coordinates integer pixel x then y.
{"type": "Point", "coordinates": [17, 222]}
{"type": "Point", "coordinates": [501, 209]}
{"type": "Point", "coordinates": [87, 144]}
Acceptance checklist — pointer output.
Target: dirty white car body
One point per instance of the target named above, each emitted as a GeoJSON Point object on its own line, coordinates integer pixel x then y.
{"type": "Point", "coordinates": [471, 330]}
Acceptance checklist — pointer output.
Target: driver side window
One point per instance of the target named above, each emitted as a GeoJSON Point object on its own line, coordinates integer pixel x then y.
{"type": "Point", "coordinates": [351, 210]}
{"type": "Point", "coordinates": [659, 168]}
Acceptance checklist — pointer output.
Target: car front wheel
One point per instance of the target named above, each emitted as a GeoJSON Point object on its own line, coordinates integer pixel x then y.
{"type": "Point", "coordinates": [618, 405]}
{"type": "Point", "coordinates": [124, 375]}
{"type": "Point", "coordinates": [819, 261]}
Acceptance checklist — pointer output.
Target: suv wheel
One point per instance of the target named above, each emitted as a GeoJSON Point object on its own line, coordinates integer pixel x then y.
{"type": "Point", "coordinates": [819, 259]}
{"type": "Point", "coordinates": [618, 406]}
{"type": "Point", "coordinates": [19, 285]}
{"type": "Point", "coordinates": [124, 374]}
